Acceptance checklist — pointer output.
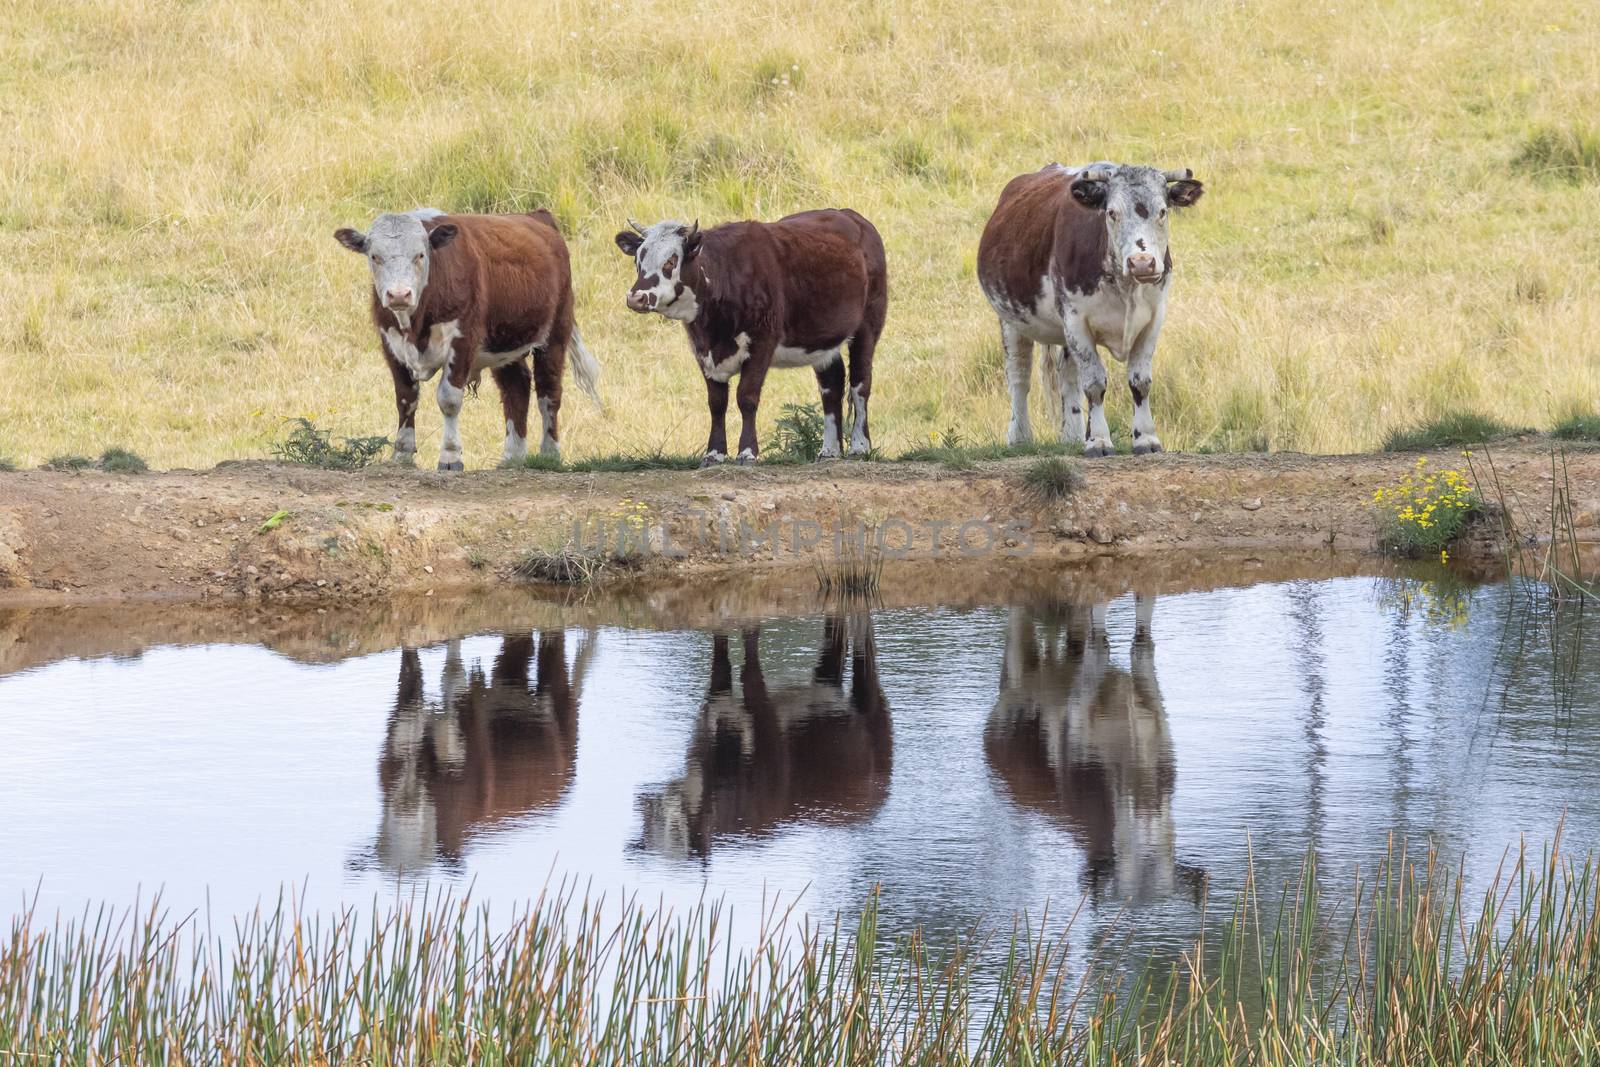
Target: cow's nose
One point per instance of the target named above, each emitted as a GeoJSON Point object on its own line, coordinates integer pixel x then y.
{"type": "Point", "coordinates": [398, 295]}
{"type": "Point", "coordinates": [1142, 264]}
{"type": "Point", "coordinates": [638, 300]}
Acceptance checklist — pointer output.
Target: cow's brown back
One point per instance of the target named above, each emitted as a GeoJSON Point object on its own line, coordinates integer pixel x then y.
{"type": "Point", "coordinates": [1038, 227]}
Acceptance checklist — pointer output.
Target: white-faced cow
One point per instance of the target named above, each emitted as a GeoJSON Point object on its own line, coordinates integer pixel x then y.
{"type": "Point", "coordinates": [470, 293]}
{"type": "Point", "coordinates": [1077, 260]}
{"type": "Point", "coordinates": [756, 295]}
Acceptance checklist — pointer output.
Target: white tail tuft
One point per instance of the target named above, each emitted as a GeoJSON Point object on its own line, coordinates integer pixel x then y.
{"type": "Point", "coordinates": [585, 371]}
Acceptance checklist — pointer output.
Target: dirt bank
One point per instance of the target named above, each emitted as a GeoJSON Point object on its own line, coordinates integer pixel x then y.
{"type": "Point", "coordinates": [263, 530]}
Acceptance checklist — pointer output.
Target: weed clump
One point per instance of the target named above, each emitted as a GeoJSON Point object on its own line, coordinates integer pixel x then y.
{"type": "Point", "coordinates": [309, 444]}
{"type": "Point", "coordinates": [1449, 431]}
{"type": "Point", "coordinates": [1578, 427]}
{"type": "Point", "coordinates": [1051, 479]}
{"type": "Point", "coordinates": [70, 463]}
{"type": "Point", "coordinates": [799, 432]}
{"type": "Point", "coordinates": [570, 565]}
{"type": "Point", "coordinates": [121, 461]}
{"type": "Point", "coordinates": [1425, 511]}
{"type": "Point", "coordinates": [6, 465]}
{"type": "Point", "coordinates": [1571, 154]}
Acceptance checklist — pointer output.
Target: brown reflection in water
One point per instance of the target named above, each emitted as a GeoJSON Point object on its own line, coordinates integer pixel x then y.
{"type": "Point", "coordinates": [762, 757]}
{"type": "Point", "coordinates": [1086, 743]}
{"type": "Point", "coordinates": [493, 747]}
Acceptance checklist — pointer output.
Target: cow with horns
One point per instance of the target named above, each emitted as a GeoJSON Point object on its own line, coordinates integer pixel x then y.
{"type": "Point", "coordinates": [757, 295]}
{"type": "Point", "coordinates": [1076, 259]}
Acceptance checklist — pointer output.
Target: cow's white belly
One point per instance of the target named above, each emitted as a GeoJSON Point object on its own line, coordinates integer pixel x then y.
{"type": "Point", "coordinates": [800, 357]}
{"type": "Point", "coordinates": [494, 360]}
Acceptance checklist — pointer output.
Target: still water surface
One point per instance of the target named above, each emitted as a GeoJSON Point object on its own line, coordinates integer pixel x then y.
{"type": "Point", "coordinates": [974, 761]}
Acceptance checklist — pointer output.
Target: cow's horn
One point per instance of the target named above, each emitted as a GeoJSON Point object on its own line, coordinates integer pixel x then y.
{"type": "Point", "coordinates": [1094, 174]}
{"type": "Point", "coordinates": [694, 227]}
{"type": "Point", "coordinates": [636, 227]}
{"type": "Point", "coordinates": [1179, 175]}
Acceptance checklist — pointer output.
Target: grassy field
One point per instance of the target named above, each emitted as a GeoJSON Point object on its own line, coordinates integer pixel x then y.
{"type": "Point", "coordinates": [1401, 222]}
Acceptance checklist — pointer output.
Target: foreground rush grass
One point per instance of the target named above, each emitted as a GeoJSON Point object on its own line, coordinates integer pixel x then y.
{"type": "Point", "coordinates": [1401, 196]}
{"type": "Point", "coordinates": [1414, 973]}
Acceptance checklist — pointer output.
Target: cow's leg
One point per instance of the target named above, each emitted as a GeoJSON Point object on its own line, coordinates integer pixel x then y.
{"type": "Point", "coordinates": [1066, 370]}
{"type": "Point", "coordinates": [452, 390]}
{"type": "Point", "coordinates": [515, 383]}
{"type": "Point", "coordinates": [1141, 365]}
{"type": "Point", "coordinates": [1092, 380]}
{"type": "Point", "coordinates": [405, 402]}
{"type": "Point", "coordinates": [751, 377]}
{"type": "Point", "coordinates": [830, 381]}
{"type": "Point", "coordinates": [547, 368]}
{"type": "Point", "coordinates": [862, 346]}
{"type": "Point", "coordinates": [1019, 379]}
{"type": "Point", "coordinates": [717, 443]}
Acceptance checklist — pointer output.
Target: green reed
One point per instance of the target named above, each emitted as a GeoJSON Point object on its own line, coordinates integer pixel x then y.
{"type": "Point", "coordinates": [1407, 970]}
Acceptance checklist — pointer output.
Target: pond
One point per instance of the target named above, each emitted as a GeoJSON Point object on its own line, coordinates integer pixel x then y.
{"type": "Point", "coordinates": [976, 748]}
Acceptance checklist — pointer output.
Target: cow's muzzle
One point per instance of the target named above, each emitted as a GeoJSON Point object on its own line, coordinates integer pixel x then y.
{"type": "Point", "coordinates": [1144, 267]}
{"type": "Point", "coordinates": [641, 300]}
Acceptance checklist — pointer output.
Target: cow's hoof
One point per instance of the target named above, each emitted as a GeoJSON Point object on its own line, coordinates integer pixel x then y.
{"type": "Point", "coordinates": [404, 459]}
{"type": "Point", "coordinates": [456, 466]}
{"type": "Point", "coordinates": [829, 453]}
{"type": "Point", "coordinates": [1098, 449]}
{"type": "Point", "coordinates": [1018, 436]}
{"type": "Point", "coordinates": [712, 459]}
{"type": "Point", "coordinates": [1146, 445]}
{"type": "Point", "coordinates": [746, 458]}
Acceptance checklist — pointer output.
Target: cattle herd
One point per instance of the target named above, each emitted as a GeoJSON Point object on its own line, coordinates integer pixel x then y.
{"type": "Point", "coordinates": [1073, 259]}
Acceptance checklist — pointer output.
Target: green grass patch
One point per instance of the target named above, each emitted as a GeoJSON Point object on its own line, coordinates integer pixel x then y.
{"type": "Point", "coordinates": [307, 443]}
{"type": "Point", "coordinates": [1570, 153]}
{"type": "Point", "coordinates": [6, 464]}
{"type": "Point", "coordinates": [1578, 427]}
{"type": "Point", "coordinates": [953, 451]}
{"type": "Point", "coordinates": [70, 463]}
{"type": "Point", "coordinates": [1052, 478]}
{"type": "Point", "coordinates": [1411, 966]}
{"type": "Point", "coordinates": [122, 461]}
{"type": "Point", "coordinates": [1459, 428]}
{"type": "Point", "coordinates": [617, 463]}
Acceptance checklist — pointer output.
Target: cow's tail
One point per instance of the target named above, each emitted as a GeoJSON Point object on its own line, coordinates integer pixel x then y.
{"type": "Point", "coordinates": [585, 369]}
{"type": "Point", "coordinates": [1050, 373]}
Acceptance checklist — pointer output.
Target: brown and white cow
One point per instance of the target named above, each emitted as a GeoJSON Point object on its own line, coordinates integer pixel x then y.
{"type": "Point", "coordinates": [1086, 743]}
{"type": "Point", "coordinates": [757, 295]}
{"type": "Point", "coordinates": [1076, 259]}
{"type": "Point", "coordinates": [470, 293]}
{"type": "Point", "coordinates": [775, 754]}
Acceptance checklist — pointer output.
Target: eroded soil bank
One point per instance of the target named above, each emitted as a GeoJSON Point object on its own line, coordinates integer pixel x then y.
{"type": "Point", "coordinates": [271, 531]}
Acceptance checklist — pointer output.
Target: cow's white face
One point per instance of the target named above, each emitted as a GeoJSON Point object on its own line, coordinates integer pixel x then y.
{"type": "Point", "coordinates": [1135, 203]}
{"type": "Point", "coordinates": [662, 255]}
{"type": "Point", "coordinates": [399, 249]}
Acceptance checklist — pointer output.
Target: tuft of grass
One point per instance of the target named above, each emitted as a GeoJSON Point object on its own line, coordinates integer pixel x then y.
{"type": "Point", "coordinates": [477, 559]}
{"type": "Point", "coordinates": [538, 461]}
{"type": "Point", "coordinates": [570, 565]}
{"type": "Point", "coordinates": [951, 450]}
{"type": "Point", "coordinates": [854, 574]}
{"type": "Point", "coordinates": [121, 461]}
{"type": "Point", "coordinates": [799, 431]}
{"type": "Point", "coordinates": [307, 443]}
{"type": "Point", "coordinates": [1579, 426]}
{"type": "Point", "coordinates": [1449, 431]}
{"type": "Point", "coordinates": [70, 463]}
{"type": "Point", "coordinates": [1411, 967]}
{"type": "Point", "coordinates": [1052, 478]}
{"type": "Point", "coordinates": [6, 465]}
{"type": "Point", "coordinates": [1570, 153]}
{"type": "Point", "coordinates": [629, 462]}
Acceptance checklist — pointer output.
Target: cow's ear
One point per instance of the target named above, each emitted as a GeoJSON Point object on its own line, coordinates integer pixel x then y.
{"type": "Point", "coordinates": [629, 242]}
{"type": "Point", "coordinates": [1090, 194]}
{"type": "Point", "coordinates": [1184, 193]}
{"type": "Point", "coordinates": [691, 243]}
{"type": "Point", "coordinates": [354, 240]}
{"type": "Point", "coordinates": [442, 234]}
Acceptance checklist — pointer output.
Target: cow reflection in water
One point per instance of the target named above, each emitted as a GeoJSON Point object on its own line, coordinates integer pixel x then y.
{"type": "Point", "coordinates": [767, 756]}
{"type": "Point", "coordinates": [1086, 743]}
{"type": "Point", "coordinates": [493, 746]}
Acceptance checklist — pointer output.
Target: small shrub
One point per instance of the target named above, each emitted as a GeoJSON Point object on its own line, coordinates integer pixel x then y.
{"type": "Point", "coordinates": [799, 432]}
{"type": "Point", "coordinates": [1571, 154]}
{"type": "Point", "coordinates": [1052, 479]}
{"type": "Point", "coordinates": [477, 560]}
{"type": "Point", "coordinates": [1460, 428]}
{"type": "Point", "coordinates": [1578, 427]}
{"type": "Point", "coordinates": [6, 465]}
{"type": "Point", "coordinates": [568, 565]}
{"type": "Point", "coordinates": [70, 463]}
{"type": "Point", "coordinates": [1425, 512]}
{"type": "Point", "coordinates": [121, 461]}
{"type": "Point", "coordinates": [309, 444]}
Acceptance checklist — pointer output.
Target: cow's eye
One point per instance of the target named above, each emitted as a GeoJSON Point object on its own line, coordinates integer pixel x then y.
{"type": "Point", "coordinates": [1163, 213]}
{"type": "Point", "coordinates": [1113, 214]}
{"type": "Point", "coordinates": [417, 259]}
{"type": "Point", "coordinates": [669, 266]}
{"type": "Point", "coordinates": [378, 260]}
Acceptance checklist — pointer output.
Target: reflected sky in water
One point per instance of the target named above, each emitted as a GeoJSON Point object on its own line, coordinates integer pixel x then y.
{"type": "Point", "coordinates": [974, 762]}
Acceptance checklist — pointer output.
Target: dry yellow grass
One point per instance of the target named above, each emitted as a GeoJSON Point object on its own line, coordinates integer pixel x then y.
{"type": "Point", "coordinates": [1366, 254]}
